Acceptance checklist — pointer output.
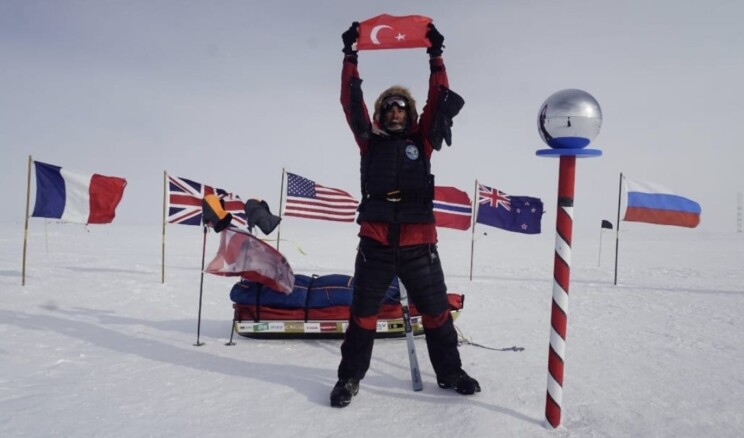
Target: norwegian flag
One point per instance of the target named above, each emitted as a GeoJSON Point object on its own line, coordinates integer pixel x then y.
{"type": "Point", "coordinates": [185, 202]}
{"type": "Point", "coordinates": [452, 208]}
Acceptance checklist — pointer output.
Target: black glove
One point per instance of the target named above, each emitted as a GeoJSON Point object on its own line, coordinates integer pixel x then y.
{"type": "Point", "coordinates": [448, 106]}
{"type": "Point", "coordinates": [349, 38]}
{"type": "Point", "coordinates": [436, 39]}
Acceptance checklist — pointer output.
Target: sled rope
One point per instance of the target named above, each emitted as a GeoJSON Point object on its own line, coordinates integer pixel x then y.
{"type": "Point", "coordinates": [462, 340]}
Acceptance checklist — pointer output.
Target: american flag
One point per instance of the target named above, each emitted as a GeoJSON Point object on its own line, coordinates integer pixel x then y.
{"type": "Point", "coordinates": [185, 202]}
{"type": "Point", "coordinates": [309, 200]}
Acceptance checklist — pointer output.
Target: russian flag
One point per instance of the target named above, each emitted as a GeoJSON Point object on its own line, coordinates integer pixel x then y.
{"type": "Point", "coordinates": [654, 204]}
{"type": "Point", "coordinates": [75, 197]}
{"type": "Point", "coordinates": [452, 208]}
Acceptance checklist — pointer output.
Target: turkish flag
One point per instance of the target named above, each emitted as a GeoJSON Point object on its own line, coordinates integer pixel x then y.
{"type": "Point", "coordinates": [241, 253]}
{"type": "Point", "coordinates": [389, 32]}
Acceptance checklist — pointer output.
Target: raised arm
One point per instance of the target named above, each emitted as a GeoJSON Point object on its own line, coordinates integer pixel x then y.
{"type": "Point", "coordinates": [437, 79]}
{"type": "Point", "coordinates": [352, 98]}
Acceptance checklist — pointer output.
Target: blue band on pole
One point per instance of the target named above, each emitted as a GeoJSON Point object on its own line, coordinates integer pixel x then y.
{"type": "Point", "coordinates": [581, 153]}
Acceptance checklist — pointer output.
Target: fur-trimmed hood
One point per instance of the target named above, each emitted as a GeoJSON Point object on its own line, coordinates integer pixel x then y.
{"type": "Point", "coordinates": [405, 93]}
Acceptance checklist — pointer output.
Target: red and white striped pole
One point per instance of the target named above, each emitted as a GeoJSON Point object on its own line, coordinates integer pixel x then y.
{"type": "Point", "coordinates": [568, 121]}
{"type": "Point", "coordinates": [561, 279]}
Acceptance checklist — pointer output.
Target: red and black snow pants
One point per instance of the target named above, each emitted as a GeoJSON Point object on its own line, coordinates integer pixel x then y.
{"type": "Point", "coordinates": [420, 270]}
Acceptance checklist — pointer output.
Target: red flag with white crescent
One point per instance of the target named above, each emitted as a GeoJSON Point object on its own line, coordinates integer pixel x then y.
{"type": "Point", "coordinates": [242, 254]}
{"type": "Point", "coordinates": [390, 32]}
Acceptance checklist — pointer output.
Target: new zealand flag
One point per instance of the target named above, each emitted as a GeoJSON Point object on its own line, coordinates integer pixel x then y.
{"type": "Point", "coordinates": [520, 214]}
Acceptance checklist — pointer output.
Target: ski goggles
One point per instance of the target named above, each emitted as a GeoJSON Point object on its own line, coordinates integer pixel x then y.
{"type": "Point", "coordinates": [394, 100]}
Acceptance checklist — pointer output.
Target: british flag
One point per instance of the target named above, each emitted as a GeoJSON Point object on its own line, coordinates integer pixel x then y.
{"type": "Point", "coordinates": [185, 202]}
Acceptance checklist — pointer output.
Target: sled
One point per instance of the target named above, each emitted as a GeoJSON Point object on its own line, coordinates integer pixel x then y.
{"type": "Point", "coordinates": [318, 307]}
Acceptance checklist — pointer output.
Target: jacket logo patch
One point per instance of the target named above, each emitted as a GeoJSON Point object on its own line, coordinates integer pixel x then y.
{"type": "Point", "coordinates": [412, 152]}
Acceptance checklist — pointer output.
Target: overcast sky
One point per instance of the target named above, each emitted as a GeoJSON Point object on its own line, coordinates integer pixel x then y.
{"type": "Point", "coordinates": [228, 93]}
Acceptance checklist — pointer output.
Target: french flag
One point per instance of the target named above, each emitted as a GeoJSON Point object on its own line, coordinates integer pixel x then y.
{"type": "Point", "coordinates": [654, 204]}
{"type": "Point", "coordinates": [75, 197]}
{"type": "Point", "coordinates": [452, 208]}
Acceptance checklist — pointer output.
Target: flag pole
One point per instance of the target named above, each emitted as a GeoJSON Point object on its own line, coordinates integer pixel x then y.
{"type": "Point", "coordinates": [201, 287]}
{"type": "Point", "coordinates": [617, 233]}
{"type": "Point", "coordinates": [25, 227]}
{"type": "Point", "coordinates": [472, 237]}
{"type": "Point", "coordinates": [281, 200]}
{"type": "Point", "coordinates": [162, 244]}
{"type": "Point", "coordinates": [599, 257]}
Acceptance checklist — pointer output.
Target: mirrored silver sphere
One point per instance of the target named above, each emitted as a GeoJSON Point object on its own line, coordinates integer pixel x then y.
{"type": "Point", "coordinates": [569, 119]}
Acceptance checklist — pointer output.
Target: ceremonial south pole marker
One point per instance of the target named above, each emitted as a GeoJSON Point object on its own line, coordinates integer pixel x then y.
{"type": "Point", "coordinates": [567, 121]}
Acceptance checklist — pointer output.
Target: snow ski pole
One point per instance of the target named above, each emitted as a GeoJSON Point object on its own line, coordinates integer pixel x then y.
{"type": "Point", "coordinates": [412, 359]}
{"type": "Point", "coordinates": [232, 332]}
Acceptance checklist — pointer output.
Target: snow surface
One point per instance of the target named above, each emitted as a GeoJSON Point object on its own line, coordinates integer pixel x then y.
{"type": "Point", "coordinates": [95, 345]}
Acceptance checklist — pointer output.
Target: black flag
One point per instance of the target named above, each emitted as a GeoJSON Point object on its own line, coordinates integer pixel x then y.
{"type": "Point", "coordinates": [606, 224]}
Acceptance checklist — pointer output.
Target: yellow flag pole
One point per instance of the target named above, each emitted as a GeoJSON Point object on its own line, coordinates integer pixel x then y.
{"type": "Point", "coordinates": [25, 227]}
{"type": "Point", "coordinates": [162, 245]}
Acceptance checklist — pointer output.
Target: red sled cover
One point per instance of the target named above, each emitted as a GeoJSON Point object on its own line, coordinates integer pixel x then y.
{"type": "Point", "coordinates": [249, 312]}
{"type": "Point", "coordinates": [324, 297]}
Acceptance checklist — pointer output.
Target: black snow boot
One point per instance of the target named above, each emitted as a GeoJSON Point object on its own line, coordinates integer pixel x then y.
{"type": "Point", "coordinates": [344, 390]}
{"type": "Point", "coordinates": [460, 382]}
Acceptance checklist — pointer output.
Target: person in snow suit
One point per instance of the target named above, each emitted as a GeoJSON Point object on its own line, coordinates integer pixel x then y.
{"type": "Point", "coordinates": [397, 231]}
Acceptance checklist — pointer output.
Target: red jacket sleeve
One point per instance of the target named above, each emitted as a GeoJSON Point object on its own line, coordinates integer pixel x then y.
{"type": "Point", "coordinates": [437, 78]}
{"type": "Point", "coordinates": [352, 101]}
